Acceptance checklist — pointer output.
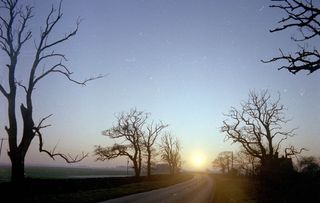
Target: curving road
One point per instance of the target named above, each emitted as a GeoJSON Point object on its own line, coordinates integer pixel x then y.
{"type": "Point", "coordinates": [196, 190]}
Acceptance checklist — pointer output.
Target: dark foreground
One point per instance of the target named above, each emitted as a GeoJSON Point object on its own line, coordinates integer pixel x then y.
{"type": "Point", "coordinates": [83, 190]}
{"type": "Point", "coordinates": [196, 190]}
{"type": "Point", "coordinates": [295, 189]}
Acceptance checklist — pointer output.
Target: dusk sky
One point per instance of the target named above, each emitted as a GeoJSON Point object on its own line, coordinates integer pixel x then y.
{"type": "Point", "coordinates": [184, 61]}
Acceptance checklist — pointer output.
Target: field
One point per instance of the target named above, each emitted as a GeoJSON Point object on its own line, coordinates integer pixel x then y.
{"type": "Point", "coordinates": [63, 172]}
{"type": "Point", "coordinates": [234, 189]}
{"type": "Point", "coordinates": [297, 189]}
{"type": "Point", "coordinates": [57, 184]}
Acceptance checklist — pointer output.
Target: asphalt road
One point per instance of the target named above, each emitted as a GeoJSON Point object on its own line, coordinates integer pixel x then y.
{"type": "Point", "coordinates": [196, 190]}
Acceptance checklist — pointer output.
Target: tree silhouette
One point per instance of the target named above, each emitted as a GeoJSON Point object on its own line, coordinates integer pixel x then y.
{"type": "Point", "coordinates": [309, 165]}
{"type": "Point", "coordinates": [129, 129]}
{"type": "Point", "coordinates": [246, 163]}
{"type": "Point", "coordinates": [170, 152]}
{"type": "Point", "coordinates": [136, 136]}
{"type": "Point", "coordinates": [258, 126]}
{"type": "Point", "coordinates": [14, 34]}
{"type": "Point", "coordinates": [223, 161]}
{"type": "Point", "coordinates": [149, 139]}
{"type": "Point", "coordinates": [305, 16]}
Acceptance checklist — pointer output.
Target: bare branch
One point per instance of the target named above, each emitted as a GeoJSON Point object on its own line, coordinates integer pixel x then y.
{"type": "Point", "coordinates": [301, 15]}
{"type": "Point", "coordinates": [256, 125]}
{"type": "Point", "coordinates": [62, 69]}
{"type": "Point", "coordinates": [292, 151]}
{"type": "Point", "coordinates": [3, 91]}
{"type": "Point", "coordinates": [68, 158]}
{"type": "Point", "coordinates": [19, 83]}
{"type": "Point", "coordinates": [149, 138]}
{"type": "Point", "coordinates": [303, 60]}
{"type": "Point", "coordinates": [111, 152]}
{"type": "Point", "coordinates": [170, 152]}
{"type": "Point", "coordinates": [25, 17]}
{"type": "Point", "coordinates": [52, 55]}
{"type": "Point", "coordinates": [129, 129]}
{"type": "Point", "coordinates": [49, 27]}
{"type": "Point", "coordinates": [305, 16]}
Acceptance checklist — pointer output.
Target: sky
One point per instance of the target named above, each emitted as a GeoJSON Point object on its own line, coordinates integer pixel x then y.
{"type": "Point", "coordinates": [184, 61]}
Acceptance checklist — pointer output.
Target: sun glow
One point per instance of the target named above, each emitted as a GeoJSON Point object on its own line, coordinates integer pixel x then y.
{"type": "Point", "coordinates": [198, 161]}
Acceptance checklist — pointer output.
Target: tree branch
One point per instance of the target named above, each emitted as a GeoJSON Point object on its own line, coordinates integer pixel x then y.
{"type": "Point", "coordinates": [68, 158]}
{"type": "Point", "coordinates": [111, 152]}
{"type": "Point", "coordinates": [3, 91]}
{"type": "Point", "coordinates": [253, 125]}
{"type": "Point", "coordinates": [304, 16]}
{"type": "Point", "coordinates": [19, 83]}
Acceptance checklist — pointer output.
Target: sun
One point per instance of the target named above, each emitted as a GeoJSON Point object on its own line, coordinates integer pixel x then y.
{"type": "Point", "coordinates": [198, 161]}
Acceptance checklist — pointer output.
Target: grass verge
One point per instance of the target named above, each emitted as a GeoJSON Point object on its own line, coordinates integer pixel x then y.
{"type": "Point", "coordinates": [297, 188]}
{"type": "Point", "coordinates": [86, 190]}
{"type": "Point", "coordinates": [234, 189]}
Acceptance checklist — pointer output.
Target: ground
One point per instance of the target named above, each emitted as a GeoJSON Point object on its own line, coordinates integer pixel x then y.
{"type": "Point", "coordinates": [297, 189]}
{"type": "Point", "coordinates": [83, 190]}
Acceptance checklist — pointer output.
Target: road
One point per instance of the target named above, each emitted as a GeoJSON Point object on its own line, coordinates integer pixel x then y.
{"type": "Point", "coordinates": [196, 190]}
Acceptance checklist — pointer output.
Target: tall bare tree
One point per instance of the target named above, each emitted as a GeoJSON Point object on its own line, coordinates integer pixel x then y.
{"type": "Point", "coordinates": [149, 139]}
{"type": "Point", "coordinates": [258, 125]}
{"type": "Point", "coordinates": [223, 161]}
{"type": "Point", "coordinates": [14, 35]}
{"type": "Point", "coordinates": [305, 16]}
{"type": "Point", "coordinates": [170, 152]}
{"type": "Point", "coordinates": [129, 130]}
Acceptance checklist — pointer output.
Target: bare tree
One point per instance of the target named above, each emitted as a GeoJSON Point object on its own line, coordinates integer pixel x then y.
{"type": "Point", "coordinates": [258, 126]}
{"type": "Point", "coordinates": [223, 161]}
{"type": "Point", "coordinates": [170, 152]}
{"type": "Point", "coordinates": [246, 163]}
{"type": "Point", "coordinates": [293, 151]}
{"type": "Point", "coordinates": [129, 129]}
{"type": "Point", "coordinates": [305, 16]}
{"type": "Point", "coordinates": [14, 34]}
{"type": "Point", "coordinates": [149, 138]}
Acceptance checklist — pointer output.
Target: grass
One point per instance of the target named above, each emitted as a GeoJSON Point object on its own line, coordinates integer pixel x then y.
{"type": "Point", "coordinates": [85, 190]}
{"type": "Point", "coordinates": [46, 172]}
{"type": "Point", "coordinates": [234, 189]}
{"type": "Point", "coordinates": [297, 188]}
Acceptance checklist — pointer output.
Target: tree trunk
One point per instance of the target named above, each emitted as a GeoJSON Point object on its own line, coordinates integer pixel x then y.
{"type": "Point", "coordinates": [136, 169]}
{"type": "Point", "coordinates": [17, 155]}
{"type": "Point", "coordinates": [149, 163]}
{"type": "Point", "coordinates": [17, 167]}
{"type": "Point", "coordinates": [140, 162]}
{"type": "Point", "coordinates": [171, 168]}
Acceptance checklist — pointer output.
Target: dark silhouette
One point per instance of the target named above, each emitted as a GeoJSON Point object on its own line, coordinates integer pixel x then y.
{"type": "Point", "coordinates": [129, 129]}
{"type": "Point", "coordinates": [309, 166]}
{"type": "Point", "coordinates": [304, 16]}
{"type": "Point", "coordinates": [149, 139]}
{"type": "Point", "coordinates": [266, 173]}
{"type": "Point", "coordinates": [137, 136]}
{"type": "Point", "coordinates": [224, 161]}
{"type": "Point", "coordinates": [246, 164]}
{"type": "Point", "coordinates": [292, 151]}
{"type": "Point", "coordinates": [2, 139]}
{"type": "Point", "coordinates": [170, 152]}
{"type": "Point", "coordinates": [14, 34]}
{"type": "Point", "coordinates": [258, 125]}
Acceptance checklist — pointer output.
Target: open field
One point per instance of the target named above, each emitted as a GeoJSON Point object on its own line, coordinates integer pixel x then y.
{"type": "Point", "coordinates": [65, 172]}
{"type": "Point", "coordinates": [64, 187]}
